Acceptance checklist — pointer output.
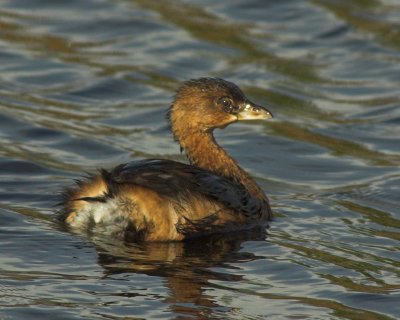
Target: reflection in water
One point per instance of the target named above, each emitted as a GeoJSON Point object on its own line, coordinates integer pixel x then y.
{"type": "Point", "coordinates": [191, 269]}
{"type": "Point", "coordinates": [185, 267]}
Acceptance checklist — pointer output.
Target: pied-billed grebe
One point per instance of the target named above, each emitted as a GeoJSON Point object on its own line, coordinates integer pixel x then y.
{"type": "Point", "coordinates": [164, 200]}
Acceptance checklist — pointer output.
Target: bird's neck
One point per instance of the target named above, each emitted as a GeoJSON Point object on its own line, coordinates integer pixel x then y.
{"type": "Point", "coordinates": [204, 152]}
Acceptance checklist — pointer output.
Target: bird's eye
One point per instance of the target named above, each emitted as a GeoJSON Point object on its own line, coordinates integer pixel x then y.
{"type": "Point", "coordinates": [227, 104]}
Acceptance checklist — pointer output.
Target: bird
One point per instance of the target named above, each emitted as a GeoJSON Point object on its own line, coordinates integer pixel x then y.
{"type": "Point", "coordinates": [160, 200]}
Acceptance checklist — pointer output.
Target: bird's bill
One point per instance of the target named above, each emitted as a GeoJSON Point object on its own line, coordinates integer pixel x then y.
{"type": "Point", "coordinates": [251, 111]}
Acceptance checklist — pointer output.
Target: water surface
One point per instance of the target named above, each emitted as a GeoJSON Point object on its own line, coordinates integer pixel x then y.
{"type": "Point", "coordinates": [86, 84]}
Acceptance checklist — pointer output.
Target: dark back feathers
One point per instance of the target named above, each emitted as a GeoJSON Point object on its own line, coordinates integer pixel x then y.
{"type": "Point", "coordinates": [182, 181]}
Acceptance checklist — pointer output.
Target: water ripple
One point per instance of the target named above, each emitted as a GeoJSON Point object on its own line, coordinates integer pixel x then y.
{"type": "Point", "coordinates": [87, 84]}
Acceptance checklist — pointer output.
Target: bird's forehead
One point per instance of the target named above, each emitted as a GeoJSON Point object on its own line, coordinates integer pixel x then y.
{"type": "Point", "coordinates": [235, 92]}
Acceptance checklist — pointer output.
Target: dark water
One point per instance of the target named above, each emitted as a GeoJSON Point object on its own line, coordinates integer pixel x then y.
{"type": "Point", "coordinates": [85, 84]}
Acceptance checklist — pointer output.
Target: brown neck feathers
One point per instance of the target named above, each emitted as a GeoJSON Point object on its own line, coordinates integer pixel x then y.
{"type": "Point", "coordinates": [204, 152]}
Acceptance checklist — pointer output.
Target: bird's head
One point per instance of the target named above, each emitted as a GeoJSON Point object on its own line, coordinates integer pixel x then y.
{"type": "Point", "coordinates": [207, 103]}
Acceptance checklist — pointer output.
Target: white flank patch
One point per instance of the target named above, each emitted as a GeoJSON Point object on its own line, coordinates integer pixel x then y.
{"type": "Point", "coordinates": [105, 218]}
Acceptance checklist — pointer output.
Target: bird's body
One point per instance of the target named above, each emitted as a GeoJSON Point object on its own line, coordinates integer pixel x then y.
{"type": "Point", "coordinates": [164, 200]}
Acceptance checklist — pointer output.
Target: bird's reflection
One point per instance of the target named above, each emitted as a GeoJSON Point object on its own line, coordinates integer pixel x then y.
{"type": "Point", "coordinates": [188, 268]}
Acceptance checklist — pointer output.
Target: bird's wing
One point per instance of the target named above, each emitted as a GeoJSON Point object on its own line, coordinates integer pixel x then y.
{"type": "Point", "coordinates": [181, 181]}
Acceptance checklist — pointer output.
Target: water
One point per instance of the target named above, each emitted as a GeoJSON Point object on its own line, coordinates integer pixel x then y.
{"type": "Point", "coordinates": [85, 84]}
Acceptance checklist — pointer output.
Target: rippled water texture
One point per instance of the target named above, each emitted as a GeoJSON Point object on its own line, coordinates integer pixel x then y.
{"type": "Point", "coordinates": [86, 84]}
